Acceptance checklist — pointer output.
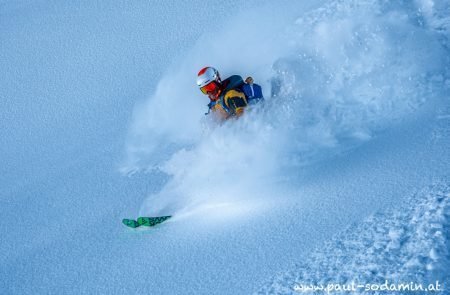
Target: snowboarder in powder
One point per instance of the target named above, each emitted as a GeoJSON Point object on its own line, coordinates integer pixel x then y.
{"type": "Point", "coordinates": [227, 99]}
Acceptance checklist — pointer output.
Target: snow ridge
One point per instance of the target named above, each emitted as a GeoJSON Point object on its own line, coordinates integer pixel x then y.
{"type": "Point", "coordinates": [408, 244]}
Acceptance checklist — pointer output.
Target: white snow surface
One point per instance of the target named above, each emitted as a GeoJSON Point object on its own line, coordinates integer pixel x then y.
{"type": "Point", "coordinates": [403, 245]}
{"type": "Point", "coordinates": [340, 176]}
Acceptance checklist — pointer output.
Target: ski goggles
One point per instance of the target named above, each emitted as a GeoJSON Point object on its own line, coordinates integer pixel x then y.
{"type": "Point", "coordinates": [210, 88]}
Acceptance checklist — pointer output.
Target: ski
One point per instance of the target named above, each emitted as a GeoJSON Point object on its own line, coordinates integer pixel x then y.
{"type": "Point", "coordinates": [145, 221]}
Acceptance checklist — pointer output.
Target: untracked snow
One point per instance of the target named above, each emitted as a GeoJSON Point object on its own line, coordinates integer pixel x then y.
{"type": "Point", "coordinates": [340, 175]}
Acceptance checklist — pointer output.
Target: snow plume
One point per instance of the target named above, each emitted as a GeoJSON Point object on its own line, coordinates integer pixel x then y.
{"type": "Point", "coordinates": [333, 76]}
{"type": "Point", "coordinates": [435, 15]}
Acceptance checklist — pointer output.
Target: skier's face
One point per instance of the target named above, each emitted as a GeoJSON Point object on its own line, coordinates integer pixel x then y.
{"type": "Point", "coordinates": [214, 95]}
{"type": "Point", "coordinates": [212, 90]}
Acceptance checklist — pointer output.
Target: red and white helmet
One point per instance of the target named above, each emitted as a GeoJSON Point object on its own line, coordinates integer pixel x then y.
{"type": "Point", "coordinates": [208, 75]}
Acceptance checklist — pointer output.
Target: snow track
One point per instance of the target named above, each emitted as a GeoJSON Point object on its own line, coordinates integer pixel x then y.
{"type": "Point", "coordinates": [405, 244]}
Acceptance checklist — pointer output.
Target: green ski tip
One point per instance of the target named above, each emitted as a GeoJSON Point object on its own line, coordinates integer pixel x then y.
{"type": "Point", "coordinates": [145, 221]}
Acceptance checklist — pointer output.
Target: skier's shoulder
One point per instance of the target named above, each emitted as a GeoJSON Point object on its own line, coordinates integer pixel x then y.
{"type": "Point", "coordinates": [233, 82]}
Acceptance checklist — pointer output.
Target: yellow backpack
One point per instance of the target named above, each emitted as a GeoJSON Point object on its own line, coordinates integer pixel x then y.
{"type": "Point", "coordinates": [234, 102]}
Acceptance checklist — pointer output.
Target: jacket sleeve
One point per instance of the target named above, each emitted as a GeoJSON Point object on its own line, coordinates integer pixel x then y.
{"type": "Point", "coordinates": [246, 90]}
{"type": "Point", "coordinates": [258, 91]}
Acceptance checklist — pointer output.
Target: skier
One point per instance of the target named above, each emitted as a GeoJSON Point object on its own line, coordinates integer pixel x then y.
{"type": "Point", "coordinates": [252, 91]}
{"type": "Point", "coordinates": [227, 99]}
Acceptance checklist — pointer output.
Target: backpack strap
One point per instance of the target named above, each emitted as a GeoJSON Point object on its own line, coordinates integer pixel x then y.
{"type": "Point", "coordinates": [210, 106]}
{"type": "Point", "coordinates": [224, 105]}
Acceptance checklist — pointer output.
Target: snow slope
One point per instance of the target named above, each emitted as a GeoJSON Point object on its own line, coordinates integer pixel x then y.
{"type": "Point", "coordinates": [355, 124]}
{"type": "Point", "coordinates": [407, 244]}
